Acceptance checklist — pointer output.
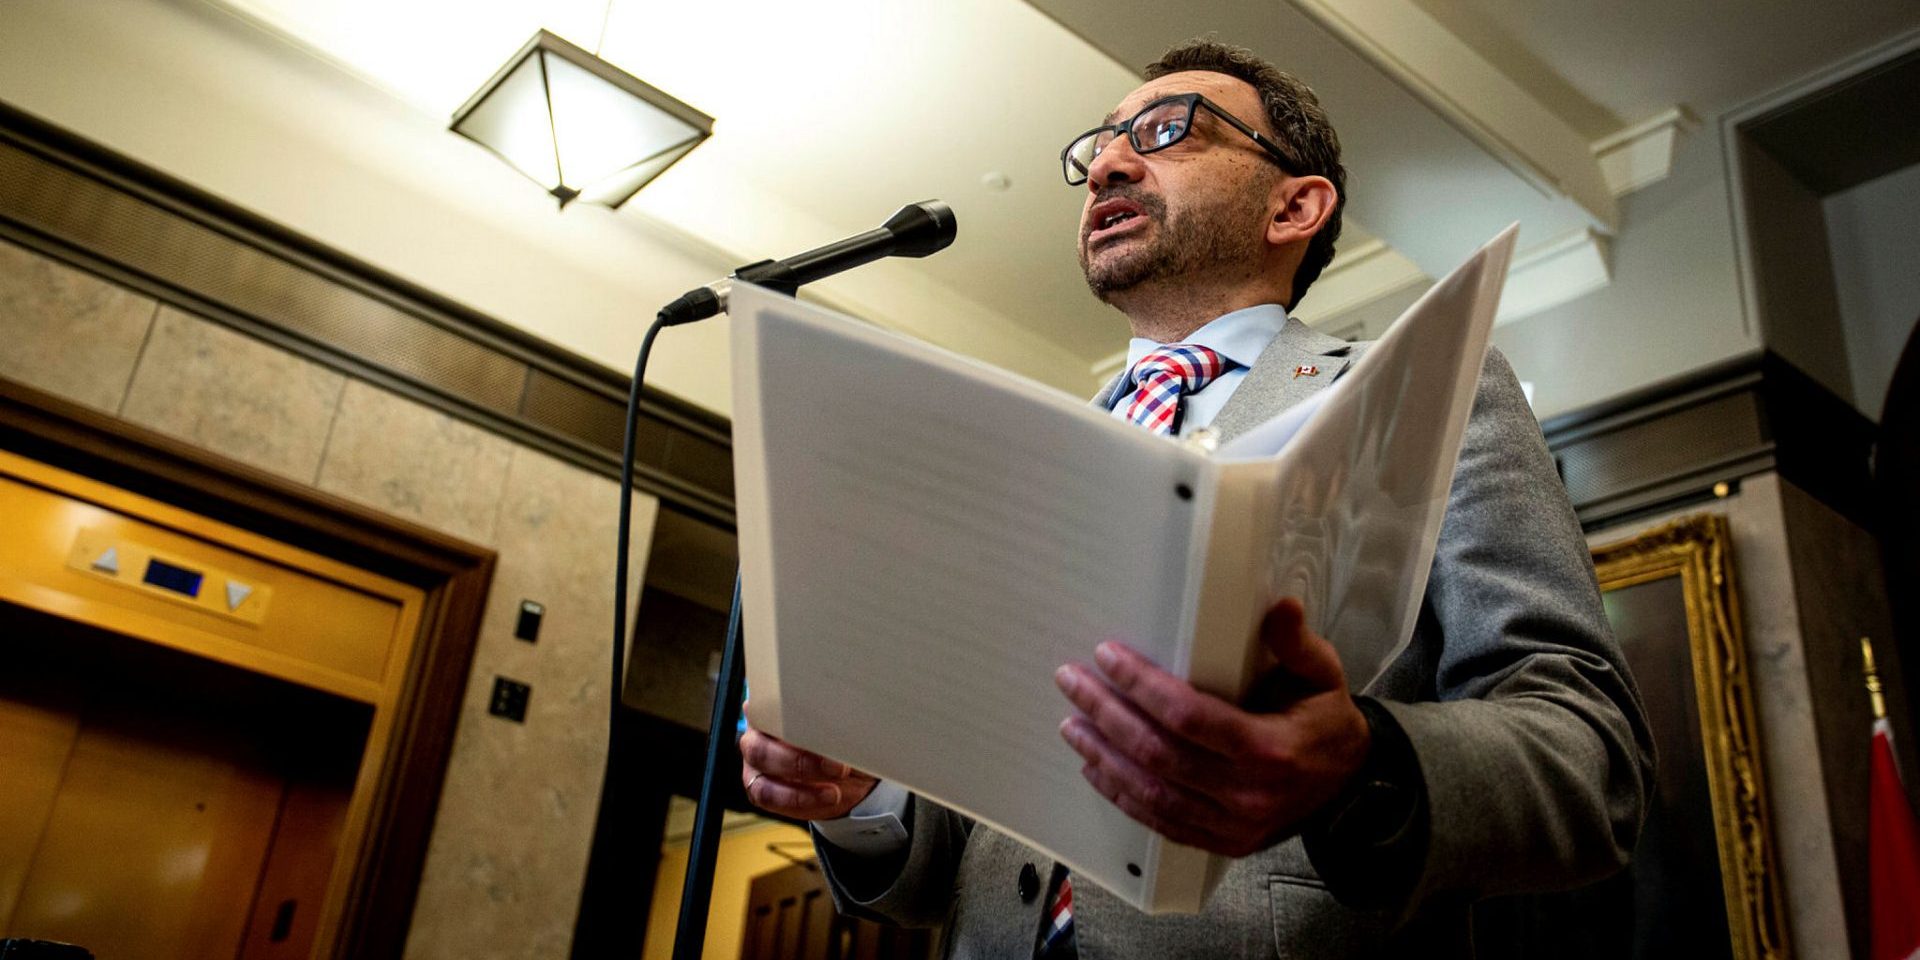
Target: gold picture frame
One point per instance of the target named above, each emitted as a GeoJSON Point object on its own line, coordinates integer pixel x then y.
{"type": "Point", "coordinates": [1697, 550]}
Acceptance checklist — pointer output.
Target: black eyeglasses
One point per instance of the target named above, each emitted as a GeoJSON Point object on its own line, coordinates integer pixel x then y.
{"type": "Point", "coordinates": [1157, 126]}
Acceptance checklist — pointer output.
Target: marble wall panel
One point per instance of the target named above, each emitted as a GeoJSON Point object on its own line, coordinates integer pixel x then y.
{"type": "Point", "coordinates": [234, 395]}
{"type": "Point", "coordinates": [68, 332]}
{"type": "Point", "coordinates": [395, 455]}
{"type": "Point", "coordinates": [1784, 701]}
{"type": "Point", "coordinates": [515, 826]}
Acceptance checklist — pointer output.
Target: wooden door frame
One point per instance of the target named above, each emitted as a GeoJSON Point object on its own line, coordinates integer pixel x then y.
{"type": "Point", "coordinates": [454, 574]}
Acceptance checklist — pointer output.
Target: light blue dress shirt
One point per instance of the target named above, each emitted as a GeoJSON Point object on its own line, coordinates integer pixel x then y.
{"type": "Point", "coordinates": [1239, 336]}
{"type": "Point", "coordinates": [876, 826]}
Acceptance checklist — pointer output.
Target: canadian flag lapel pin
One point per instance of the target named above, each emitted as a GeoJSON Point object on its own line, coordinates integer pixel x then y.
{"type": "Point", "coordinates": [1306, 370]}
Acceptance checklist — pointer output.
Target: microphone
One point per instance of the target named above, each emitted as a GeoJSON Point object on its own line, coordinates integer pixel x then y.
{"type": "Point", "coordinates": [915, 230]}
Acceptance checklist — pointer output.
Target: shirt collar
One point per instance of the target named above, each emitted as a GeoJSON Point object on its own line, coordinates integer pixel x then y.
{"type": "Point", "coordinates": [1239, 336]}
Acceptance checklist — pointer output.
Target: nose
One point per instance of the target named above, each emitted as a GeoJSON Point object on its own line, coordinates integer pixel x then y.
{"type": "Point", "coordinates": [1118, 163]}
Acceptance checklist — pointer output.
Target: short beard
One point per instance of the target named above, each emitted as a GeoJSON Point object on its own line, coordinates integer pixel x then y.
{"type": "Point", "coordinates": [1191, 243]}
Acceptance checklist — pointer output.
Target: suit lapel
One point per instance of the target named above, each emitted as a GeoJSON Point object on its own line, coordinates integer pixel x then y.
{"type": "Point", "coordinates": [1273, 384]}
{"type": "Point", "coordinates": [1104, 399]}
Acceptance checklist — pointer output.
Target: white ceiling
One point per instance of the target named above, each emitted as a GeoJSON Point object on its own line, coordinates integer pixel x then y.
{"type": "Point", "coordinates": [1609, 65]}
{"type": "Point", "coordinates": [831, 114]}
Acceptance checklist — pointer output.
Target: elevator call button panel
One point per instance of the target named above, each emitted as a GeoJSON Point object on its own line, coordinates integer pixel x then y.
{"type": "Point", "coordinates": [155, 572]}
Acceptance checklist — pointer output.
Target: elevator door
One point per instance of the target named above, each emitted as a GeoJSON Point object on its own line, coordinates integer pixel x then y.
{"type": "Point", "coordinates": [162, 805]}
{"type": "Point", "coordinates": [195, 724]}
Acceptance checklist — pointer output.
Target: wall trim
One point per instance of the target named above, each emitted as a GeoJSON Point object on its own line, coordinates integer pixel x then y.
{"type": "Point", "coordinates": [1695, 437]}
{"type": "Point", "coordinates": [1635, 156]}
{"type": "Point", "coordinates": [1733, 137]}
{"type": "Point", "coordinates": [1571, 265]}
{"type": "Point", "coordinates": [1358, 276]}
{"type": "Point", "coordinates": [87, 206]}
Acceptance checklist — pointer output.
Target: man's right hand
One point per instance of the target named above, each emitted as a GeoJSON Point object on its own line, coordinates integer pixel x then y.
{"type": "Point", "coordinates": [784, 779]}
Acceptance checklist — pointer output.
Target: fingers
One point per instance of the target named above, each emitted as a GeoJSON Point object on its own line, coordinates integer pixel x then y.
{"type": "Point", "coordinates": [1140, 737]}
{"type": "Point", "coordinates": [1303, 655]}
{"type": "Point", "coordinates": [1173, 703]}
{"type": "Point", "coordinates": [1208, 773]}
{"type": "Point", "coordinates": [1169, 809]}
{"type": "Point", "coordinates": [787, 780]}
{"type": "Point", "coordinates": [777, 758]}
{"type": "Point", "coordinates": [802, 801]}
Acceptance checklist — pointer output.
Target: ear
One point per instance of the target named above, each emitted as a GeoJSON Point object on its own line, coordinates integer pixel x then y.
{"type": "Point", "coordinates": [1301, 207]}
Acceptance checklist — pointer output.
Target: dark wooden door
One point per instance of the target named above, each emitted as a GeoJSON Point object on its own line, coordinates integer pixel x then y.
{"type": "Point", "coordinates": [791, 917]}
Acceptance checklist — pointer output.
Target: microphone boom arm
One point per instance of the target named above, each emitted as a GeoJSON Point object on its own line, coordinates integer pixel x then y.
{"type": "Point", "coordinates": [915, 230]}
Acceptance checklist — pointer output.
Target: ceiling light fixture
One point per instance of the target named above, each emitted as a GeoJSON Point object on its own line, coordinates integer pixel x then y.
{"type": "Point", "coordinates": [577, 125]}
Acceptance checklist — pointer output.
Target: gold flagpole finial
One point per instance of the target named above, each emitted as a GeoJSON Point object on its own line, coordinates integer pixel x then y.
{"type": "Point", "coordinates": [1873, 680]}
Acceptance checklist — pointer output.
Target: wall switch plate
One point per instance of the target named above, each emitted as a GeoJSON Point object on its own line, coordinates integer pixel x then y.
{"type": "Point", "coordinates": [528, 626]}
{"type": "Point", "coordinates": [509, 699]}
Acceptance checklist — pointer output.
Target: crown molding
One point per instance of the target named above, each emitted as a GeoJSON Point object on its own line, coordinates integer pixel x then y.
{"type": "Point", "coordinates": [1566, 267]}
{"type": "Point", "coordinates": [1357, 277]}
{"type": "Point", "coordinates": [1642, 154]}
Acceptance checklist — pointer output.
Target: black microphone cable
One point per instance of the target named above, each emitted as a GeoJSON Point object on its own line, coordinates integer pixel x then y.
{"type": "Point", "coordinates": [625, 537]}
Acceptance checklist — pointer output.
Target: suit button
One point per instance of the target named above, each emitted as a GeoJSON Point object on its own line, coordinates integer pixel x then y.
{"type": "Point", "coordinates": [1029, 883]}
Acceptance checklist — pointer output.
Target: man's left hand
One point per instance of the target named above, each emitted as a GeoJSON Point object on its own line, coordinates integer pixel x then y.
{"type": "Point", "coordinates": [1205, 772]}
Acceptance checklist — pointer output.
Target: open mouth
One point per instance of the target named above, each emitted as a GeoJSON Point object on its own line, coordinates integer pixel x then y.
{"type": "Point", "coordinates": [1111, 218]}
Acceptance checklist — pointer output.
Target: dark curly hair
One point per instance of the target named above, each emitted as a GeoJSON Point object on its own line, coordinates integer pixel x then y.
{"type": "Point", "coordinates": [1299, 126]}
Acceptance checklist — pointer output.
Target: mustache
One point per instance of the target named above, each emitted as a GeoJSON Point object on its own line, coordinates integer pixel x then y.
{"type": "Point", "coordinates": [1151, 205]}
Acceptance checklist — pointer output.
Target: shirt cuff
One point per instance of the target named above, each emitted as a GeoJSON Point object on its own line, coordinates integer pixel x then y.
{"type": "Point", "coordinates": [875, 827]}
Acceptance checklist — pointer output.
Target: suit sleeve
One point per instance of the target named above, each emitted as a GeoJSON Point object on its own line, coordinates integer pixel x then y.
{"type": "Point", "coordinates": [1535, 754]}
{"type": "Point", "coordinates": [913, 888]}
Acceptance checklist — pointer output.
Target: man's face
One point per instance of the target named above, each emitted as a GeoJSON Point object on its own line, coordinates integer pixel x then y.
{"type": "Point", "coordinates": [1182, 211]}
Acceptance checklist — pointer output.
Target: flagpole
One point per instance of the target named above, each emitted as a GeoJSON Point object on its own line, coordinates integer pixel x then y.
{"type": "Point", "coordinates": [1893, 841]}
{"type": "Point", "coordinates": [1873, 680]}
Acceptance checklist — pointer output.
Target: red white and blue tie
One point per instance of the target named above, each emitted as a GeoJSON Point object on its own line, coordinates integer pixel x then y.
{"type": "Point", "coordinates": [1167, 376]}
{"type": "Point", "coordinates": [1056, 938]}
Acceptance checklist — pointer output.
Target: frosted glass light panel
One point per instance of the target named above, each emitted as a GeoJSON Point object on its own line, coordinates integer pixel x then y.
{"type": "Point", "coordinates": [577, 125]}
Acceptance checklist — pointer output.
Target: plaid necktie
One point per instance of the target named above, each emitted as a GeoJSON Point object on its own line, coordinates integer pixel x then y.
{"type": "Point", "coordinates": [1167, 376]}
{"type": "Point", "coordinates": [1056, 936]}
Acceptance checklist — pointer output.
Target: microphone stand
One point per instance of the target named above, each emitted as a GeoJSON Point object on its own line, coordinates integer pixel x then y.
{"type": "Point", "coordinates": [696, 892]}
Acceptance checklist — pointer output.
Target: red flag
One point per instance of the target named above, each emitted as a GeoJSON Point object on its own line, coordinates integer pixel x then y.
{"type": "Point", "coordinates": [1893, 858]}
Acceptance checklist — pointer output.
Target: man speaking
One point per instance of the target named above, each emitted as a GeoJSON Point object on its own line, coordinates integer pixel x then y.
{"type": "Point", "coordinates": [1503, 751]}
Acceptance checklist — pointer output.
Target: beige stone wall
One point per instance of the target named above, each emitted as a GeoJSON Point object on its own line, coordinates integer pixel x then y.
{"type": "Point", "coordinates": [510, 844]}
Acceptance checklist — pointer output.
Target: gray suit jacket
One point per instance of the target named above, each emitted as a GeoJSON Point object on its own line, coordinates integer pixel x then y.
{"type": "Point", "coordinates": [1528, 730]}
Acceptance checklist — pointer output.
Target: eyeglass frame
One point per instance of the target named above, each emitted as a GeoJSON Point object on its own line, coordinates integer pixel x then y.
{"type": "Point", "coordinates": [1192, 100]}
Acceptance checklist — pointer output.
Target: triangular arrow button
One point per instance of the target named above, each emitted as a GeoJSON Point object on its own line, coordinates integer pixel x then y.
{"type": "Point", "coordinates": [237, 594]}
{"type": "Point", "coordinates": [108, 562]}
